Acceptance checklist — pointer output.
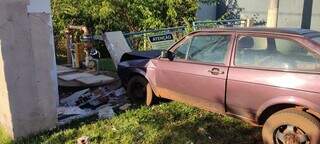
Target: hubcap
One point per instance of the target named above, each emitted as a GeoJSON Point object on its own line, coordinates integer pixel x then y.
{"type": "Point", "coordinates": [288, 134]}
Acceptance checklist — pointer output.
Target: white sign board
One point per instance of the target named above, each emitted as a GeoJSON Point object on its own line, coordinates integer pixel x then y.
{"type": "Point", "coordinates": [161, 42]}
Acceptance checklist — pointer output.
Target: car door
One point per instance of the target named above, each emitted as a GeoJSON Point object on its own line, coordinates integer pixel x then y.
{"type": "Point", "coordinates": [268, 70]}
{"type": "Point", "coordinates": [198, 73]}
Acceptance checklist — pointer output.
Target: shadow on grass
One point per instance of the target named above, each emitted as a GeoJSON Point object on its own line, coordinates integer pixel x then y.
{"type": "Point", "coordinates": [43, 137]}
{"type": "Point", "coordinates": [213, 129]}
{"type": "Point", "coordinates": [178, 123]}
{"type": "Point", "coordinates": [165, 123]}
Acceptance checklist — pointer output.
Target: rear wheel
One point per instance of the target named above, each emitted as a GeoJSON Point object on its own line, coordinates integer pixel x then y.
{"type": "Point", "coordinates": [139, 90]}
{"type": "Point", "coordinates": [291, 126]}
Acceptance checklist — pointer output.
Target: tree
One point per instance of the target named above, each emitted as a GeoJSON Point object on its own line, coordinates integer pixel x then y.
{"type": "Point", "coordinates": [124, 15]}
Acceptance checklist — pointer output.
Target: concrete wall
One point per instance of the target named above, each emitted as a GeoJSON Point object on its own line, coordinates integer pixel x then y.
{"type": "Point", "coordinates": [290, 13]}
{"type": "Point", "coordinates": [28, 92]}
{"type": "Point", "coordinates": [315, 23]}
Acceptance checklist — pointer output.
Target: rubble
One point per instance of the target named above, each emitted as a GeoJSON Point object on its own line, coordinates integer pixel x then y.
{"type": "Point", "coordinates": [99, 101]}
{"type": "Point", "coordinates": [125, 107]}
{"type": "Point", "coordinates": [91, 98]}
{"type": "Point", "coordinates": [106, 112]}
{"type": "Point", "coordinates": [68, 114]}
{"type": "Point", "coordinates": [120, 92]}
{"type": "Point", "coordinates": [72, 100]}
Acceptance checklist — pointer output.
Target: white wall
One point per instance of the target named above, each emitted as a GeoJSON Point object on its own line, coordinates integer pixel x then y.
{"type": "Point", "coordinates": [39, 6]}
{"type": "Point", "coordinates": [290, 12]}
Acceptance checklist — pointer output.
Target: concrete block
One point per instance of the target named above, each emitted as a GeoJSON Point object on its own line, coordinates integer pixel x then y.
{"type": "Point", "coordinates": [117, 45]}
{"type": "Point", "coordinates": [95, 79]}
{"type": "Point", "coordinates": [29, 90]}
{"type": "Point", "coordinates": [73, 76]}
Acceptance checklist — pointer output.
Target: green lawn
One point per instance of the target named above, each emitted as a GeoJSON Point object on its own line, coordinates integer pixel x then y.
{"type": "Point", "coordinates": [166, 123]}
{"type": "Point", "coordinates": [4, 138]}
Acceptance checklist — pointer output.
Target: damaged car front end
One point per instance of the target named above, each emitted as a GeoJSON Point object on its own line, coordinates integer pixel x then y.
{"type": "Point", "coordinates": [134, 63]}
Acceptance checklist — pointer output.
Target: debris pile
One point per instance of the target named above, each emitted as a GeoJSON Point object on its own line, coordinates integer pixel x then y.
{"type": "Point", "coordinates": [68, 77]}
{"type": "Point", "coordinates": [85, 93]}
{"type": "Point", "coordinates": [99, 101]}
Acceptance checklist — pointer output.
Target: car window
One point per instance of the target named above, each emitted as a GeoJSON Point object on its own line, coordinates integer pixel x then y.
{"type": "Point", "coordinates": [275, 53]}
{"type": "Point", "coordinates": [208, 48]}
{"type": "Point", "coordinates": [181, 51]}
{"type": "Point", "coordinates": [316, 39]}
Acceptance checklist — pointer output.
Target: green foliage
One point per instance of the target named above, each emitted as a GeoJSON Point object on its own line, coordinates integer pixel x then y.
{"type": "Point", "coordinates": [166, 123]}
{"type": "Point", "coordinates": [124, 15]}
{"type": "Point", "coordinates": [106, 65]}
{"type": "Point", "coordinates": [231, 9]}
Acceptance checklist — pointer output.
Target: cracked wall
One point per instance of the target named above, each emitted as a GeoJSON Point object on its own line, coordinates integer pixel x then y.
{"type": "Point", "coordinates": [28, 79]}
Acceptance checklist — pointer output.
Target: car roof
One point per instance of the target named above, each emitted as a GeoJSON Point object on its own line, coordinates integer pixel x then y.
{"type": "Point", "coordinates": [292, 31]}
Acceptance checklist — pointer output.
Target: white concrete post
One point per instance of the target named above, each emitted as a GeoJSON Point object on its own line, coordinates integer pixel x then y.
{"type": "Point", "coordinates": [273, 10]}
{"type": "Point", "coordinates": [28, 79]}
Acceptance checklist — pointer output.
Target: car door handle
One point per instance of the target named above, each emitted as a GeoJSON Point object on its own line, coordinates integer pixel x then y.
{"type": "Point", "coordinates": [215, 71]}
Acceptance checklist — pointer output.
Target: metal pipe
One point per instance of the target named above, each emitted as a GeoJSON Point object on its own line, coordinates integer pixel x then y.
{"type": "Point", "coordinates": [153, 31]}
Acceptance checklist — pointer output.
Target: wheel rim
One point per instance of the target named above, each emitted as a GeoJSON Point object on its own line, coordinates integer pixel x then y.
{"type": "Point", "coordinates": [290, 134]}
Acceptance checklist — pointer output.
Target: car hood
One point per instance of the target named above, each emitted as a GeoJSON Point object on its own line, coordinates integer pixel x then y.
{"type": "Point", "coordinates": [140, 55]}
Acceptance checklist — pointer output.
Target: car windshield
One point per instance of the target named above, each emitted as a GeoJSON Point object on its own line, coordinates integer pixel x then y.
{"type": "Point", "coordinates": [316, 39]}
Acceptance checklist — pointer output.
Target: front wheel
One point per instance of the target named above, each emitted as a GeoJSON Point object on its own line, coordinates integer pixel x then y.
{"type": "Point", "coordinates": [291, 126]}
{"type": "Point", "coordinates": [139, 90]}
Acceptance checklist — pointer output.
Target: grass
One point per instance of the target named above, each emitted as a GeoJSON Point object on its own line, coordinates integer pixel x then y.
{"type": "Point", "coordinates": [166, 123]}
{"type": "Point", "coordinates": [106, 65]}
{"type": "Point", "coordinates": [4, 138]}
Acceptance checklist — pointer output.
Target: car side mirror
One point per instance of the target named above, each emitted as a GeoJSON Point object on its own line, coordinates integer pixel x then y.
{"type": "Point", "coordinates": [168, 54]}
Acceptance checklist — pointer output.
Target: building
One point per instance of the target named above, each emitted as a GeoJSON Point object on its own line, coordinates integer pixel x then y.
{"type": "Point", "coordinates": [290, 12]}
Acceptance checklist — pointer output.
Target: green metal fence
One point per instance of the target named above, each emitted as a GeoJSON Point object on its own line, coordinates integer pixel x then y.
{"type": "Point", "coordinates": [198, 25]}
{"type": "Point", "coordinates": [140, 40]}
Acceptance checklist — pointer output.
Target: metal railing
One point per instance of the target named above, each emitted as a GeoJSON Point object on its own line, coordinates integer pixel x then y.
{"type": "Point", "coordinates": [198, 25]}
{"type": "Point", "coordinates": [139, 40]}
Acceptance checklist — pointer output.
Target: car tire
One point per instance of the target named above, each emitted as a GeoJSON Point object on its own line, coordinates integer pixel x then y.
{"type": "Point", "coordinates": [290, 126]}
{"type": "Point", "coordinates": [140, 91]}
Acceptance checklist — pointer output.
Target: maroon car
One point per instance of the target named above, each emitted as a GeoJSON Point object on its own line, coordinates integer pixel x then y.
{"type": "Point", "coordinates": [268, 77]}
